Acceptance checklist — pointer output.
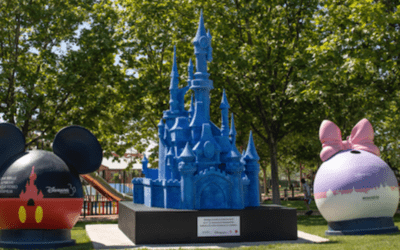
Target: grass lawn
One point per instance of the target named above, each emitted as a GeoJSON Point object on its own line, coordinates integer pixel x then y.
{"type": "Point", "coordinates": [298, 204]}
{"type": "Point", "coordinates": [310, 224]}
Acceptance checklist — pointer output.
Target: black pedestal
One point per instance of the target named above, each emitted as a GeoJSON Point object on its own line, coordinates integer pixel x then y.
{"type": "Point", "coordinates": [34, 239]}
{"type": "Point", "coordinates": [149, 225]}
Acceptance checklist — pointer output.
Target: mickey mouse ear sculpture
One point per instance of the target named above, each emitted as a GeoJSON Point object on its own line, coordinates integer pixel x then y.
{"type": "Point", "coordinates": [79, 148]}
{"type": "Point", "coordinates": [12, 142]}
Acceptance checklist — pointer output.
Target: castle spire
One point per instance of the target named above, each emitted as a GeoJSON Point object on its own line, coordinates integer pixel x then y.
{"type": "Point", "coordinates": [187, 154]}
{"type": "Point", "coordinates": [144, 165]}
{"type": "Point", "coordinates": [190, 72]}
{"type": "Point", "coordinates": [234, 154]}
{"type": "Point", "coordinates": [202, 45]}
{"type": "Point", "coordinates": [174, 73]}
{"type": "Point", "coordinates": [209, 52]}
{"type": "Point", "coordinates": [145, 159]}
{"type": "Point", "coordinates": [232, 132]}
{"type": "Point", "coordinates": [251, 152]}
{"type": "Point", "coordinates": [201, 30]}
{"type": "Point", "coordinates": [173, 88]}
{"type": "Point", "coordinates": [252, 168]}
{"type": "Point", "coordinates": [224, 113]}
{"type": "Point", "coordinates": [224, 101]}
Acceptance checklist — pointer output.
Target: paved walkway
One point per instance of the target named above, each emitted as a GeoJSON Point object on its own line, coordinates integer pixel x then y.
{"type": "Point", "coordinates": [109, 236]}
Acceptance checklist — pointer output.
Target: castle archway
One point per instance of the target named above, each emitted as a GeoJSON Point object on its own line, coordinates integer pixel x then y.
{"type": "Point", "coordinates": [212, 192]}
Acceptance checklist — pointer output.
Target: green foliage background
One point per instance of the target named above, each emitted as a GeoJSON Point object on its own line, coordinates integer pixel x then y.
{"type": "Point", "coordinates": [285, 65]}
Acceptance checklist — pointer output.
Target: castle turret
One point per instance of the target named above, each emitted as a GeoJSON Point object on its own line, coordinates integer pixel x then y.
{"type": "Point", "coordinates": [232, 132]}
{"type": "Point", "coordinates": [163, 172]}
{"type": "Point", "coordinates": [144, 165]}
{"type": "Point", "coordinates": [180, 133]}
{"type": "Point", "coordinates": [171, 162]}
{"type": "Point", "coordinates": [187, 169]}
{"type": "Point", "coordinates": [224, 115]}
{"type": "Point", "coordinates": [176, 103]}
{"type": "Point", "coordinates": [252, 168]}
{"type": "Point", "coordinates": [191, 109]}
{"type": "Point", "coordinates": [234, 167]}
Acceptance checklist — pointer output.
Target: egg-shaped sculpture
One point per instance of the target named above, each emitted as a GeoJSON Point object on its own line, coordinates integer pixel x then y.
{"type": "Point", "coordinates": [354, 189]}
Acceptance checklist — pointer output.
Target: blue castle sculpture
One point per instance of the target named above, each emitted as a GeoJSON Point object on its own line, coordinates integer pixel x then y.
{"type": "Point", "coordinates": [199, 165]}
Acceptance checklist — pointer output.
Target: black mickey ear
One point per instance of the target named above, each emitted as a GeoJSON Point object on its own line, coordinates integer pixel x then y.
{"type": "Point", "coordinates": [12, 142]}
{"type": "Point", "coordinates": [79, 148]}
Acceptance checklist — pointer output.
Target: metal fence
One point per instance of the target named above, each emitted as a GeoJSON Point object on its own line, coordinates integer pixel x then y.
{"type": "Point", "coordinates": [97, 197]}
{"type": "Point", "coordinates": [99, 208]}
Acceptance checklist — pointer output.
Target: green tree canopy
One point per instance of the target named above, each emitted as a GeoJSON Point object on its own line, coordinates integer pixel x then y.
{"type": "Point", "coordinates": [354, 68]}
{"type": "Point", "coordinates": [57, 68]}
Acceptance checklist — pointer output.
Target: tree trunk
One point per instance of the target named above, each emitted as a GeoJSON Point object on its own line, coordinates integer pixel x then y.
{"type": "Point", "coordinates": [276, 199]}
{"type": "Point", "coordinates": [264, 169]}
{"type": "Point", "coordinates": [289, 182]}
{"type": "Point", "coordinates": [301, 176]}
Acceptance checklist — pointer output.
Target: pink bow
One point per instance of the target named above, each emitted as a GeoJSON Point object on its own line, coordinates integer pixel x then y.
{"type": "Point", "coordinates": [361, 138]}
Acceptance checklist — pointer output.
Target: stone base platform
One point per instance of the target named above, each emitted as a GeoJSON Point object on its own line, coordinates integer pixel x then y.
{"type": "Point", "coordinates": [149, 225]}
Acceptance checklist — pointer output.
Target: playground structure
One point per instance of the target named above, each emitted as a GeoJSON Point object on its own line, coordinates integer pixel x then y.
{"type": "Point", "coordinates": [107, 203]}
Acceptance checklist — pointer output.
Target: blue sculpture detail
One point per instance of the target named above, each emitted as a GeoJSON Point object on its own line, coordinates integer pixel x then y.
{"type": "Point", "coordinates": [199, 165]}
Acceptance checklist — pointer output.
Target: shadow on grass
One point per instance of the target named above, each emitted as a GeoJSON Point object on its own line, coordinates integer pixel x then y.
{"type": "Point", "coordinates": [396, 218]}
{"type": "Point", "coordinates": [81, 225]}
{"type": "Point", "coordinates": [320, 221]}
{"type": "Point", "coordinates": [298, 204]}
{"type": "Point", "coordinates": [330, 242]}
{"type": "Point", "coordinates": [311, 220]}
{"type": "Point", "coordinates": [79, 246]}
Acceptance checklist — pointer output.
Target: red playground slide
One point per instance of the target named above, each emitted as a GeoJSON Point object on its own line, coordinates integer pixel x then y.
{"type": "Point", "coordinates": [102, 188]}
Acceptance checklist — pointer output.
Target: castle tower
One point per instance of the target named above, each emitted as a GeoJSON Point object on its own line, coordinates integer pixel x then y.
{"type": "Point", "coordinates": [171, 163]}
{"type": "Point", "coordinates": [235, 168]}
{"type": "Point", "coordinates": [187, 169]}
{"type": "Point", "coordinates": [201, 85]}
{"type": "Point", "coordinates": [179, 135]}
{"type": "Point", "coordinates": [144, 165]}
{"type": "Point", "coordinates": [252, 168]}
{"type": "Point", "coordinates": [223, 138]}
{"type": "Point", "coordinates": [163, 171]}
